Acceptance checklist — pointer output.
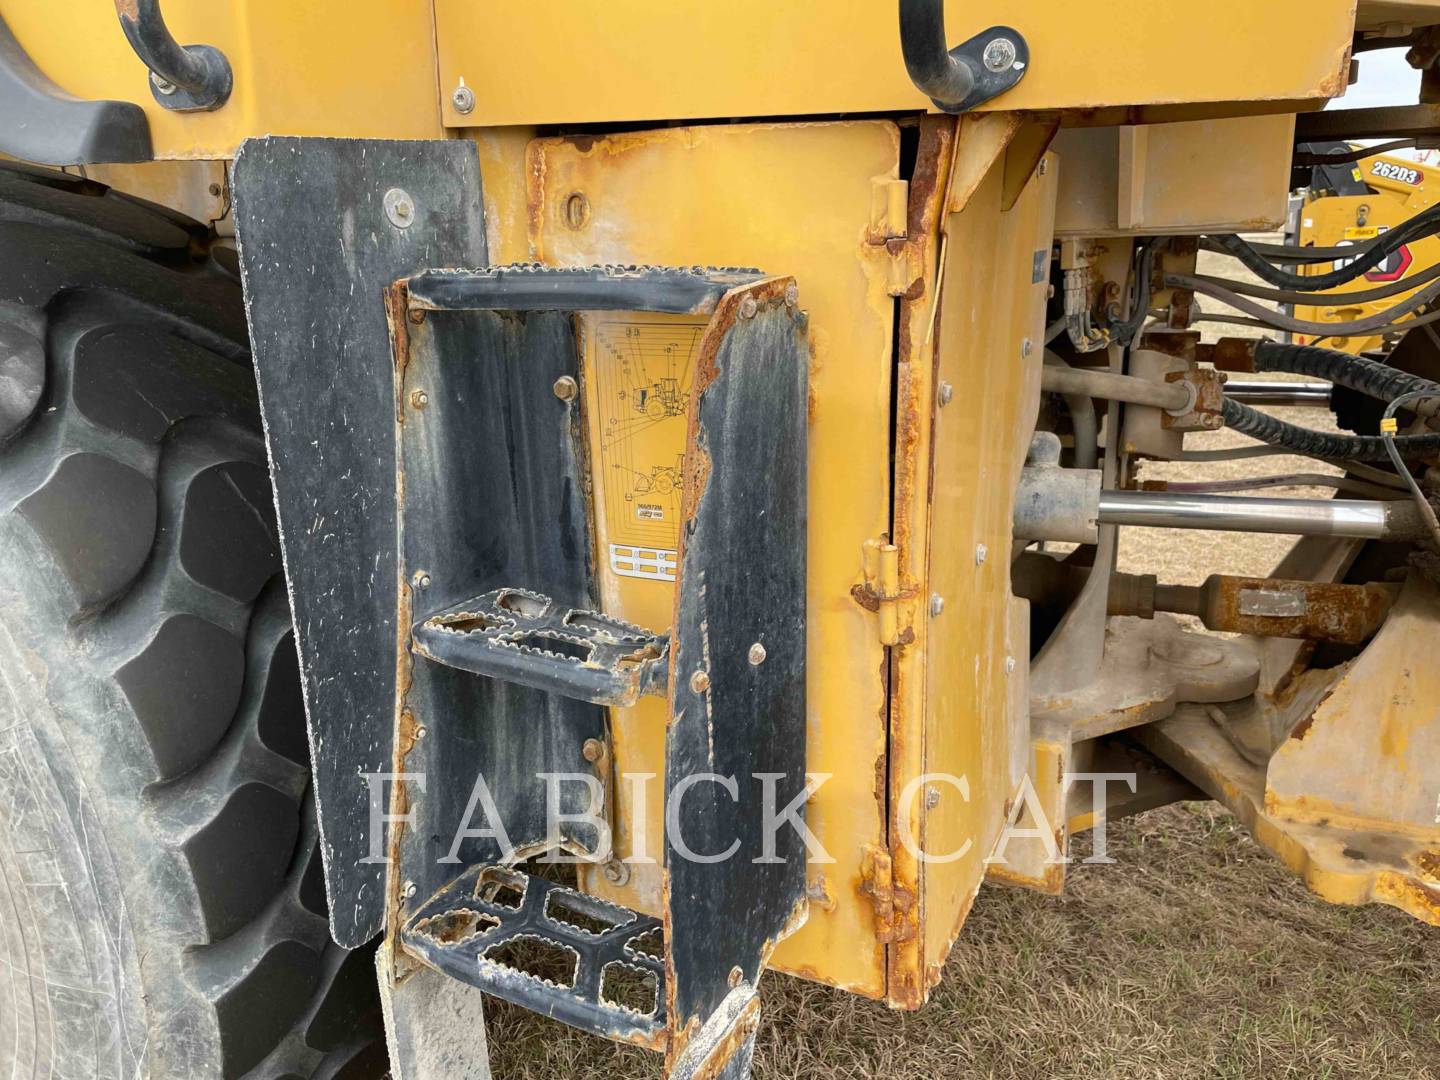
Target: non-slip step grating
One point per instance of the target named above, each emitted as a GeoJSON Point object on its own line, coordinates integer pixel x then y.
{"type": "Point", "coordinates": [580, 960]}
{"type": "Point", "coordinates": [522, 637]}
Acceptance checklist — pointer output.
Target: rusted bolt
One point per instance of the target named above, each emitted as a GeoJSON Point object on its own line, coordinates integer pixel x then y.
{"type": "Point", "coordinates": [999, 54]}
{"type": "Point", "coordinates": [565, 388]}
{"type": "Point", "coordinates": [737, 976]}
{"type": "Point", "coordinates": [593, 750]}
{"type": "Point", "coordinates": [1026, 348]}
{"type": "Point", "coordinates": [616, 872]}
{"type": "Point", "coordinates": [792, 294]}
{"type": "Point", "coordinates": [577, 211]}
{"type": "Point", "coordinates": [757, 654]}
{"type": "Point", "coordinates": [981, 554]}
{"type": "Point", "coordinates": [932, 797]}
{"type": "Point", "coordinates": [421, 579]}
{"type": "Point", "coordinates": [748, 307]}
{"type": "Point", "coordinates": [215, 189]}
{"type": "Point", "coordinates": [700, 681]}
{"type": "Point", "coordinates": [409, 888]}
{"type": "Point", "coordinates": [463, 98]}
{"type": "Point", "coordinates": [417, 315]}
{"type": "Point", "coordinates": [419, 399]}
{"type": "Point", "coordinates": [937, 604]}
{"type": "Point", "coordinates": [947, 392]}
{"type": "Point", "coordinates": [399, 208]}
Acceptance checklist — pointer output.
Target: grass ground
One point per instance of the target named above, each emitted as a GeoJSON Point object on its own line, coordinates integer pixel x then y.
{"type": "Point", "coordinates": [1195, 957]}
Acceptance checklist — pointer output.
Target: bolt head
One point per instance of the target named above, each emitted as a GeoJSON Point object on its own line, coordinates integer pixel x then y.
{"type": "Point", "coordinates": [1009, 665]}
{"type": "Point", "coordinates": [792, 294]}
{"type": "Point", "coordinates": [748, 307]}
{"type": "Point", "coordinates": [1000, 54]}
{"type": "Point", "coordinates": [616, 872]}
{"type": "Point", "coordinates": [566, 388]}
{"type": "Point", "coordinates": [981, 554]}
{"type": "Point", "coordinates": [946, 394]}
{"type": "Point", "coordinates": [463, 98]}
{"type": "Point", "coordinates": [410, 888]}
{"type": "Point", "coordinates": [737, 976]}
{"type": "Point", "coordinates": [399, 208]}
{"type": "Point", "coordinates": [162, 85]}
{"type": "Point", "coordinates": [421, 731]}
{"type": "Point", "coordinates": [932, 798]}
{"type": "Point", "coordinates": [700, 681]}
{"type": "Point", "coordinates": [937, 604]}
{"type": "Point", "coordinates": [593, 750]}
{"type": "Point", "coordinates": [1026, 348]}
{"type": "Point", "coordinates": [421, 579]}
{"type": "Point", "coordinates": [419, 399]}
{"type": "Point", "coordinates": [757, 654]}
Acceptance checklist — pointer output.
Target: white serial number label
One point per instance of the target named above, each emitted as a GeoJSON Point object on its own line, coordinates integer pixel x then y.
{"type": "Point", "coordinates": [1389, 171]}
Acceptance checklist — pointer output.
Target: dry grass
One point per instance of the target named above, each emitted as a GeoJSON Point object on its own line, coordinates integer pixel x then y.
{"type": "Point", "coordinates": [1195, 956]}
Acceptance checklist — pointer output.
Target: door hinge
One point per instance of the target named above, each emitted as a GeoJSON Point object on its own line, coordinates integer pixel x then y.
{"type": "Point", "coordinates": [889, 209]}
{"type": "Point", "coordinates": [883, 594]}
{"type": "Point", "coordinates": [892, 903]}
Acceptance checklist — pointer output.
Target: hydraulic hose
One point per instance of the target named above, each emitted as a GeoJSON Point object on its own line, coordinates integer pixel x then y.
{"type": "Point", "coordinates": [1267, 429]}
{"type": "Point", "coordinates": [927, 56]}
{"type": "Point", "coordinates": [1368, 377]}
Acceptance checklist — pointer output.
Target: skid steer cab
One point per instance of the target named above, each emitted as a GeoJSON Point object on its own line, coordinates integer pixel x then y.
{"type": "Point", "coordinates": [585, 504]}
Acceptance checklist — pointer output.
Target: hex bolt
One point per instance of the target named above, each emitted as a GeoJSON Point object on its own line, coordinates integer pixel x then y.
{"type": "Point", "coordinates": [700, 681]}
{"type": "Point", "coordinates": [616, 872]}
{"type": "Point", "coordinates": [981, 554]}
{"type": "Point", "coordinates": [409, 888]}
{"type": "Point", "coordinates": [421, 580]}
{"type": "Point", "coordinates": [593, 750]}
{"type": "Point", "coordinates": [946, 393]}
{"type": "Point", "coordinates": [792, 294]}
{"type": "Point", "coordinates": [1026, 348]}
{"type": "Point", "coordinates": [421, 731]}
{"type": "Point", "coordinates": [1000, 54]}
{"type": "Point", "coordinates": [463, 98]}
{"type": "Point", "coordinates": [748, 307]}
{"type": "Point", "coordinates": [162, 85]}
{"type": "Point", "coordinates": [399, 208]}
{"type": "Point", "coordinates": [757, 654]}
{"type": "Point", "coordinates": [566, 388]}
{"type": "Point", "coordinates": [932, 798]}
{"type": "Point", "coordinates": [937, 604]}
{"type": "Point", "coordinates": [419, 399]}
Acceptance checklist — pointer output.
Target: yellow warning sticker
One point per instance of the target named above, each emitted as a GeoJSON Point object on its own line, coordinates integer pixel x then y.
{"type": "Point", "coordinates": [1362, 232]}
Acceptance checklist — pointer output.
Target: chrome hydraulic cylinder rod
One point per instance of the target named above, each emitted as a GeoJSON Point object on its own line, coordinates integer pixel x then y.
{"type": "Point", "coordinates": [1362, 519]}
{"type": "Point", "coordinates": [1308, 394]}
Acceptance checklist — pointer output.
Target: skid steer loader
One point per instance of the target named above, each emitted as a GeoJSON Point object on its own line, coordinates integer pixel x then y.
{"type": "Point", "coordinates": [585, 502]}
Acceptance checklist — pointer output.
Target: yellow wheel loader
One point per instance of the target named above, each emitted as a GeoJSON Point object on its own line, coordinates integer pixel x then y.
{"type": "Point", "coordinates": [583, 502]}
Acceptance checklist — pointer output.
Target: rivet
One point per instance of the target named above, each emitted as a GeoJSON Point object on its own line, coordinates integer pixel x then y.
{"type": "Point", "coordinates": [463, 98]}
{"type": "Point", "coordinates": [616, 872]}
{"type": "Point", "coordinates": [700, 681]}
{"type": "Point", "coordinates": [410, 888]}
{"type": "Point", "coordinates": [1000, 54]}
{"type": "Point", "coordinates": [932, 798]}
{"type": "Point", "coordinates": [419, 399]}
{"type": "Point", "coordinates": [748, 307]}
{"type": "Point", "coordinates": [737, 976]}
{"type": "Point", "coordinates": [937, 604]}
{"type": "Point", "coordinates": [981, 554]}
{"type": "Point", "coordinates": [421, 579]}
{"type": "Point", "coordinates": [947, 392]}
{"type": "Point", "coordinates": [565, 388]}
{"type": "Point", "coordinates": [757, 654]}
{"type": "Point", "coordinates": [593, 750]}
{"type": "Point", "coordinates": [577, 211]}
{"type": "Point", "coordinates": [1026, 348]}
{"type": "Point", "coordinates": [399, 208]}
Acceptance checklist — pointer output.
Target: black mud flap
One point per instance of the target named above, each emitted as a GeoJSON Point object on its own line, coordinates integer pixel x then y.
{"type": "Point", "coordinates": [324, 227]}
{"type": "Point", "coordinates": [506, 659]}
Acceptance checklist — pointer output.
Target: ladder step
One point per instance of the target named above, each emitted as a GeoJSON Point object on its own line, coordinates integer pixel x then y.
{"type": "Point", "coordinates": [588, 963]}
{"type": "Point", "coordinates": [522, 637]}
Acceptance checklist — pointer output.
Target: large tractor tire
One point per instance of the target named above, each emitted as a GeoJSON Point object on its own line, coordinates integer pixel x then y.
{"type": "Point", "coordinates": [162, 903]}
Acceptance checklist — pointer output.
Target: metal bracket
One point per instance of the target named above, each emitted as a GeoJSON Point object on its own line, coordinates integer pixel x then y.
{"type": "Point", "coordinates": [183, 78]}
{"type": "Point", "coordinates": [967, 76]}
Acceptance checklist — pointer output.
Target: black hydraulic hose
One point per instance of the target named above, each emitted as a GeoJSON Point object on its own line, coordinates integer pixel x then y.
{"type": "Point", "coordinates": [1366, 256]}
{"type": "Point", "coordinates": [932, 69]}
{"type": "Point", "coordinates": [1368, 377]}
{"type": "Point", "coordinates": [1322, 444]}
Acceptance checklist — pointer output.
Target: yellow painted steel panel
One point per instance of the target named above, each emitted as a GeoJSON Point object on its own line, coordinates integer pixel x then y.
{"type": "Point", "coordinates": [362, 68]}
{"type": "Point", "coordinates": [794, 200]}
{"type": "Point", "coordinates": [963, 719]}
{"type": "Point", "coordinates": [576, 61]}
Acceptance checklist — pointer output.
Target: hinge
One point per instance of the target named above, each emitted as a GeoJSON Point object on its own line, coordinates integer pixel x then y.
{"type": "Point", "coordinates": [882, 592]}
{"type": "Point", "coordinates": [891, 903]}
{"type": "Point", "coordinates": [889, 209]}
